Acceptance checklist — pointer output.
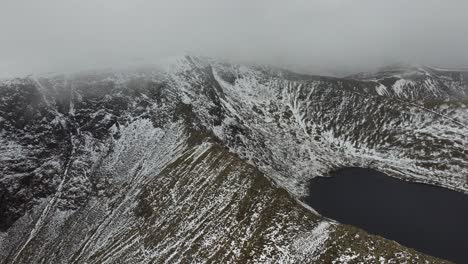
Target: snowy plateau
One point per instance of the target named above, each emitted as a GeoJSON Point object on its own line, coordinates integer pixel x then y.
{"type": "Point", "coordinates": [204, 161]}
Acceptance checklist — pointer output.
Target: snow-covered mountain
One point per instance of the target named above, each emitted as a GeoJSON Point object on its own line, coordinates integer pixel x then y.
{"type": "Point", "coordinates": [417, 82]}
{"type": "Point", "coordinates": [205, 161]}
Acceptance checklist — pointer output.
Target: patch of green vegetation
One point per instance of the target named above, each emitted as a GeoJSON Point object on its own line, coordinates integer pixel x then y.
{"type": "Point", "coordinates": [434, 103]}
{"type": "Point", "coordinates": [361, 247]}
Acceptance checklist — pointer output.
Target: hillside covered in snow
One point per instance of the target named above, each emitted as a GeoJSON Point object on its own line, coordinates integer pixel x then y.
{"type": "Point", "coordinates": [203, 161]}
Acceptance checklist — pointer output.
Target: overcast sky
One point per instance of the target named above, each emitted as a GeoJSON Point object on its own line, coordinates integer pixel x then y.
{"type": "Point", "coordinates": [311, 35]}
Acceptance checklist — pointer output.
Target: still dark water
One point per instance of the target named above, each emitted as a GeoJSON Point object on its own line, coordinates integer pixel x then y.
{"type": "Point", "coordinates": [429, 219]}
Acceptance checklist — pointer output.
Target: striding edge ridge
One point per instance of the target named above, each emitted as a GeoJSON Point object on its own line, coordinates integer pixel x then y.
{"type": "Point", "coordinates": [206, 161]}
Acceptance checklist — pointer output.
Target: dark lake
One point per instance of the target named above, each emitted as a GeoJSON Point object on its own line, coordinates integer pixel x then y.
{"type": "Point", "coordinates": [430, 219]}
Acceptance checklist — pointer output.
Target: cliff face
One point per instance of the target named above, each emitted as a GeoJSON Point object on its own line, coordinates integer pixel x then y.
{"type": "Point", "coordinates": [204, 161]}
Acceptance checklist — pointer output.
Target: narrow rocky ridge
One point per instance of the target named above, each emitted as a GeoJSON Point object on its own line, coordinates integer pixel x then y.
{"type": "Point", "coordinates": [206, 161]}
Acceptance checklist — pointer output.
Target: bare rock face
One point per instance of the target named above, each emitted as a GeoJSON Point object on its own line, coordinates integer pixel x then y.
{"type": "Point", "coordinates": [201, 161]}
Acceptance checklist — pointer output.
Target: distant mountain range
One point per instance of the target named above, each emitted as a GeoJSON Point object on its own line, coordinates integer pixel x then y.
{"type": "Point", "coordinates": [204, 161]}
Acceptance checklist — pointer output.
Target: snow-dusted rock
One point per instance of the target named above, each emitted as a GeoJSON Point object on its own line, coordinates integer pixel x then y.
{"type": "Point", "coordinates": [204, 161]}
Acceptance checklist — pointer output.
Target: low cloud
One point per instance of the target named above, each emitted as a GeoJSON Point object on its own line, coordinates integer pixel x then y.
{"type": "Point", "coordinates": [321, 36]}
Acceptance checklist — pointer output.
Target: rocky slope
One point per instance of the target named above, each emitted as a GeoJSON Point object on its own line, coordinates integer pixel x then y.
{"type": "Point", "coordinates": [206, 161]}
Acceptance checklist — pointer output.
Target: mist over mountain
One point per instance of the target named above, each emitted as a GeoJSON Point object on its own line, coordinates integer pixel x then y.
{"type": "Point", "coordinates": [315, 37]}
{"type": "Point", "coordinates": [115, 148]}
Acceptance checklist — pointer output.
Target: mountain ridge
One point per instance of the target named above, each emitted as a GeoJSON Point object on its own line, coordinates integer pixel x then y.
{"type": "Point", "coordinates": [91, 144]}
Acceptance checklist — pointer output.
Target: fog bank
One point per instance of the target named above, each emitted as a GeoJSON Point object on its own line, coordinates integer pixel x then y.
{"type": "Point", "coordinates": [319, 36]}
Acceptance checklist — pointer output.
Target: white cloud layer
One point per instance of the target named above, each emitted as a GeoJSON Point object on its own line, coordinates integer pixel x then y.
{"type": "Point", "coordinates": [311, 36]}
